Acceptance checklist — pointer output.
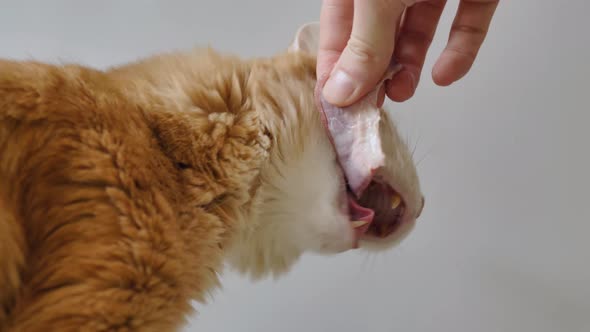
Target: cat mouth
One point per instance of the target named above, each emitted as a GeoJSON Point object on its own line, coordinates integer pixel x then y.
{"type": "Point", "coordinates": [377, 214]}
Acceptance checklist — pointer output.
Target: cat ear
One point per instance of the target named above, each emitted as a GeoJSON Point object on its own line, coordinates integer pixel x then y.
{"type": "Point", "coordinates": [307, 39]}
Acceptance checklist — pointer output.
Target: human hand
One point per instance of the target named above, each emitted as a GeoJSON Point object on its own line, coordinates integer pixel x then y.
{"type": "Point", "coordinates": [359, 37]}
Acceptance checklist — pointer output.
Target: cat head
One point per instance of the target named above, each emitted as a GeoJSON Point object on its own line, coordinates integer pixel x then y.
{"type": "Point", "coordinates": [304, 203]}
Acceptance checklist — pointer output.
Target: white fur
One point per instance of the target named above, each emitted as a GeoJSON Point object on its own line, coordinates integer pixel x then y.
{"type": "Point", "coordinates": [298, 207]}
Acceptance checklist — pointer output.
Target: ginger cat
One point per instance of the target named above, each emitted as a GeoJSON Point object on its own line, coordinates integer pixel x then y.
{"type": "Point", "coordinates": [123, 191]}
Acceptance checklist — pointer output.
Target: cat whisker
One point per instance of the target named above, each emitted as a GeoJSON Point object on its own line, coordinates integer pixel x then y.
{"type": "Point", "coordinates": [427, 154]}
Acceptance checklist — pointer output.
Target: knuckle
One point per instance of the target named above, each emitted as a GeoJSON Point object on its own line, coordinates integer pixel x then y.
{"type": "Point", "coordinates": [363, 51]}
{"type": "Point", "coordinates": [464, 52]}
{"type": "Point", "coordinates": [335, 6]}
{"type": "Point", "coordinates": [474, 31]}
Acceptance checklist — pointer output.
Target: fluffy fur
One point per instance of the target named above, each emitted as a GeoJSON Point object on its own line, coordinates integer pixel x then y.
{"type": "Point", "coordinates": [122, 192]}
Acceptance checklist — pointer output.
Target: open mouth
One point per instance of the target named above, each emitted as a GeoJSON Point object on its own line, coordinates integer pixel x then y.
{"type": "Point", "coordinates": [376, 210]}
{"type": "Point", "coordinates": [378, 213]}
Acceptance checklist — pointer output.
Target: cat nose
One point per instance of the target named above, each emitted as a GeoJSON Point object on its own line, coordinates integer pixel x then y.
{"type": "Point", "coordinates": [421, 208]}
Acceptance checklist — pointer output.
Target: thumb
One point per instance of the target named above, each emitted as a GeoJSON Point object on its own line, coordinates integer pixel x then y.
{"type": "Point", "coordinates": [367, 53]}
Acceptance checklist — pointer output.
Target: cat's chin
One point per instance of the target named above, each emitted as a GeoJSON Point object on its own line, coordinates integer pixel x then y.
{"type": "Point", "coordinates": [378, 243]}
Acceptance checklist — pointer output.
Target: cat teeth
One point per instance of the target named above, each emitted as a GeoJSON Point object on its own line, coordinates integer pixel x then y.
{"type": "Point", "coordinates": [358, 223]}
{"type": "Point", "coordinates": [395, 201]}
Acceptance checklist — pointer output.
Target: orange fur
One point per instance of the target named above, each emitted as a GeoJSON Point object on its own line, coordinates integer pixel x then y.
{"type": "Point", "coordinates": [122, 191]}
{"type": "Point", "coordinates": [119, 190]}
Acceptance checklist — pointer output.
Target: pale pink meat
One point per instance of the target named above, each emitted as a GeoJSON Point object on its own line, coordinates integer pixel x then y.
{"type": "Point", "coordinates": [354, 132]}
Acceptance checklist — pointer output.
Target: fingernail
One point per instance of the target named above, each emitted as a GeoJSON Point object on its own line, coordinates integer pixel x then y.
{"type": "Point", "coordinates": [339, 88]}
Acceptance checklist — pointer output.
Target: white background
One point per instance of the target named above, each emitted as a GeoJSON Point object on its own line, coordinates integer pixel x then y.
{"type": "Point", "coordinates": [504, 240]}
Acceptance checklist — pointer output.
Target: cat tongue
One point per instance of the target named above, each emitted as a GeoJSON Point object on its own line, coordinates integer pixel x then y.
{"type": "Point", "coordinates": [354, 133]}
{"type": "Point", "coordinates": [359, 213]}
